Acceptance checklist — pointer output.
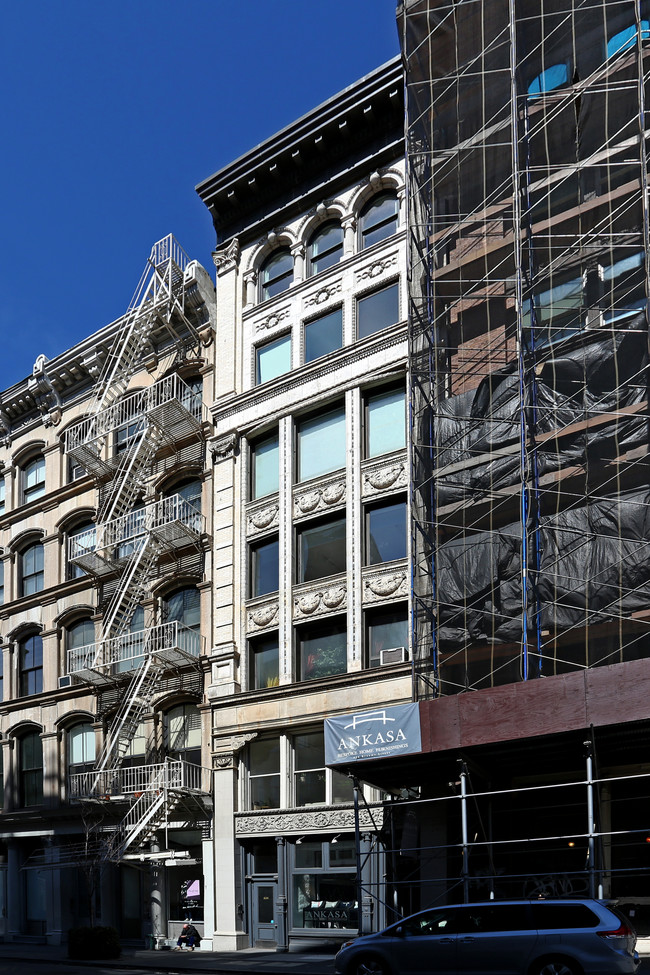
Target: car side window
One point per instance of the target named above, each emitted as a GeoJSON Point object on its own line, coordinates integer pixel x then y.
{"type": "Point", "coordinates": [429, 923]}
{"type": "Point", "coordinates": [494, 917]}
{"type": "Point", "coordinates": [558, 916]}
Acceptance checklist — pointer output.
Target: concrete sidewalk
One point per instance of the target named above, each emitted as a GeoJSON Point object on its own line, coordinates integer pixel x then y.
{"type": "Point", "coordinates": [301, 961]}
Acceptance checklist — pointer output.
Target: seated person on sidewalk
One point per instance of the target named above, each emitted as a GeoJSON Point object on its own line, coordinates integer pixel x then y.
{"type": "Point", "coordinates": [189, 936]}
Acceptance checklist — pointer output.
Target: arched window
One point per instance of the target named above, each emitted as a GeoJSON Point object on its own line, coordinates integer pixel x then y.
{"type": "Point", "coordinates": [379, 219]}
{"type": "Point", "coordinates": [79, 635]}
{"type": "Point", "coordinates": [184, 607]}
{"type": "Point", "coordinates": [30, 769]}
{"type": "Point", "coordinates": [190, 490]}
{"type": "Point", "coordinates": [81, 540]}
{"type": "Point", "coordinates": [276, 274]}
{"type": "Point", "coordinates": [81, 748]}
{"type": "Point", "coordinates": [32, 576]}
{"type": "Point", "coordinates": [325, 247]}
{"type": "Point", "coordinates": [183, 733]}
{"type": "Point", "coordinates": [30, 665]}
{"type": "Point", "coordinates": [33, 479]}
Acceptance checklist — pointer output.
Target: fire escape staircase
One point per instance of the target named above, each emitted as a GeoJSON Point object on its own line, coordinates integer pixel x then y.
{"type": "Point", "coordinates": [129, 541]}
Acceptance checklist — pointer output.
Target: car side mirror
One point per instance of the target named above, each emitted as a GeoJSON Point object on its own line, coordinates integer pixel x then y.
{"type": "Point", "coordinates": [399, 932]}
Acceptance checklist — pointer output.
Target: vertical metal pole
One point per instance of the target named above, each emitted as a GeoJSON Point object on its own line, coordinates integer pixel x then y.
{"type": "Point", "coordinates": [590, 822]}
{"type": "Point", "coordinates": [357, 847]}
{"type": "Point", "coordinates": [281, 901]}
{"type": "Point", "coordinates": [463, 815]}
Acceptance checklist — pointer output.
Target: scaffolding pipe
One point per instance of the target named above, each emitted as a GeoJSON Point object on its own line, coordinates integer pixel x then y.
{"type": "Point", "coordinates": [465, 837]}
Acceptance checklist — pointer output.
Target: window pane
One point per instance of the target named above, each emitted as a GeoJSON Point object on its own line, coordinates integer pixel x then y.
{"type": "Point", "coordinates": [277, 274]}
{"type": "Point", "coordinates": [265, 567]}
{"type": "Point", "coordinates": [309, 853]}
{"type": "Point", "coordinates": [2, 495]}
{"type": "Point", "coordinates": [313, 891]}
{"type": "Point", "coordinates": [379, 220]}
{"type": "Point", "coordinates": [326, 248]}
{"type": "Point", "coordinates": [81, 745]}
{"type": "Point", "coordinates": [264, 769]}
{"type": "Point", "coordinates": [34, 479]}
{"type": "Point", "coordinates": [273, 359]}
{"type": "Point", "coordinates": [342, 791]}
{"type": "Point", "coordinates": [266, 466]}
{"type": "Point", "coordinates": [324, 335]}
{"type": "Point", "coordinates": [265, 663]}
{"type": "Point", "coordinates": [321, 444]}
{"type": "Point", "coordinates": [264, 756]}
{"type": "Point", "coordinates": [386, 533]}
{"type": "Point", "coordinates": [386, 629]}
{"type": "Point", "coordinates": [81, 634]}
{"type": "Point", "coordinates": [265, 792]}
{"type": "Point", "coordinates": [323, 650]}
{"type": "Point", "coordinates": [185, 607]}
{"type": "Point", "coordinates": [386, 422]}
{"type": "Point", "coordinates": [310, 788]}
{"type": "Point", "coordinates": [321, 550]}
{"type": "Point", "coordinates": [378, 310]}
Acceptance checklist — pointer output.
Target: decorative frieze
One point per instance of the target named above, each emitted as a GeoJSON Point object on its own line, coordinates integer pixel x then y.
{"type": "Point", "coordinates": [380, 478]}
{"type": "Point", "coordinates": [328, 495]}
{"type": "Point", "coordinates": [272, 321]}
{"type": "Point", "coordinates": [323, 295]}
{"type": "Point", "coordinates": [294, 822]}
{"type": "Point", "coordinates": [312, 602]}
{"type": "Point", "coordinates": [381, 266]}
{"type": "Point", "coordinates": [262, 616]}
{"type": "Point", "coordinates": [385, 584]}
{"type": "Point", "coordinates": [262, 518]}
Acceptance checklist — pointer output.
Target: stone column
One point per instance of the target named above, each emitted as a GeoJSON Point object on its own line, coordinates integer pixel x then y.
{"type": "Point", "coordinates": [349, 225]}
{"type": "Point", "coordinates": [283, 900]}
{"type": "Point", "coordinates": [157, 896]}
{"type": "Point", "coordinates": [298, 254]}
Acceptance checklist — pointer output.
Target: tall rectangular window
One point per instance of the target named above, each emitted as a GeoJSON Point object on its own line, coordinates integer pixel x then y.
{"type": "Point", "coordinates": [321, 549]}
{"type": "Point", "coordinates": [322, 649]}
{"type": "Point", "coordinates": [265, 567]}
{"type": "Point", "coordinates": [385, 421]}
{"type": "Point", "coordinates": [272, 359]}
{"type": "Point", "coordinates": [34, 479]}
{"type": "Point", "coordinates": [309, 765]}
{"type": "Point", "coordinates": [323, 335]}
{"type": "Point", "coordinates": [321, 444]}
{"type": "Point", "coordinates": [30, 665]}
{"type": "Point", "coordinates": [385, 630]}
{"type": "Point", "coordinates": [264, 773]}
{"type": "Point", "coordinates": [32, 570]}
{"type": "Point", "coordinates": [385, 532]}
{"type": "Point", "coordinates": [265, 465]}
{"type": "Point", "coordinates": [2, 582]}
{"type": "Point", "coordinates": [2, 495]}
{"type": "Point", "coordinates": [264, 657]}
{"type": "Point", "coordinates": [378, 310]}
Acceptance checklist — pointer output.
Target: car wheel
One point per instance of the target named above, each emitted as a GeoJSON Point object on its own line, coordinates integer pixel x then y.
{"type": "Point", "coordinates": [555, 966]}
{"type": "Point", "coordinates": [369, 965]}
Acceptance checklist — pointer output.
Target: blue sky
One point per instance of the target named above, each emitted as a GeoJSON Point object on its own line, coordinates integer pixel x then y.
{"type": "Point", "coordinates": [112, 113]}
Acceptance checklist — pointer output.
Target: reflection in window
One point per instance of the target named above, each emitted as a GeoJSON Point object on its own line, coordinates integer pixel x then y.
{"type": "Point", "coordinates": [34, 479]}
{"type": "Point", "coordinates": [30, 656]}
{"type": "Point", "coordinates": [277, 273]}
{"type": "Point", "coordinates": [322, 649]}
{"type": "Point", "coordinates": [137, 747]}
{"type": "Point", "coordinates": [264, 773]}
{"type": "Point", "coordinates": [81, 539]}
{"type": "Point", "coordinates": [265, 464]}
{"type": "Point", "coordinates": [81, 748]}
{"type": "Point", "coordinates": [309, 765]}
{"type": "Point", "coordinates": [379, 219]}
{"type": "Point", "coordinates": [386, 421]}
{"type": "Point", "coordinates": [272, 359]}
{"type": "Point", "coordinates": [326, 247]}
{"type": "Point", "coordinates": [324, 335]}
{"type": "Point", "coordinates": [321, 444]}
{"type": "Point", "coordinates": [264, 662]}
{"type": "Point", "coordinates": [265, 567]}
{"type": "Point", "coordinates": [386, 532]}
{"type": "Point", "coordinates": [553, 77]}
{"type": "Point", "coordinates": [80, 634]}
{"type": "Point", "coordinates": [626, 39]}
{"type": "Point", "coordinates": [183, 733]}
{"type": "Point", "coordinates": [32, 575]}
{"type": "Point", "coordinates": [321, 549]}
{"type": "Point", "coordinates": [386, 629]}
{"type": "Point", "coordinates": [30, 757]}
{"type": "Point", "coordinates": [184, 606]}
{"type": "Point", "coordinates": [378, 310]}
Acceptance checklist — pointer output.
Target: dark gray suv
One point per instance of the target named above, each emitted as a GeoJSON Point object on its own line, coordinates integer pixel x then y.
{"type": "Point", "coordinates": [544, 937]}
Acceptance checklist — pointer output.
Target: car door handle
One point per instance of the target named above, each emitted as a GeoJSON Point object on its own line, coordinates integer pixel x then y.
{"type": "Point", "coordinates": [468, 941]}
{"type": "Point", "coordinates": [446, 941]}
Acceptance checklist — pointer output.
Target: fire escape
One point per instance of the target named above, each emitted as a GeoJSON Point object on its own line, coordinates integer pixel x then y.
{"type": "Point", "coordinates": [117, 444]}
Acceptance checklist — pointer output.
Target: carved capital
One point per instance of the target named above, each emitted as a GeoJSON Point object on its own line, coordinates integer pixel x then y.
{"type": "Point", "coordinates": [222, 448]}
{"type": "Point", "coordinates": [228, 257]}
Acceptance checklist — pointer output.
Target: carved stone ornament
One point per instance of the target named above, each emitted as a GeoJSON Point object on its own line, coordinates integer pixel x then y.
{"type": "Point", "coordinates": [319, 498]}
{"type": "Point", "coordinates": [272, 321]}
{"type": "Point", "coordinates": [377, 268]}
{"type": "Point", "coordinates": [262, 617]}
{"type": "Point", "coordinates": [224, 447]}
{"type": "Point", "coordinates": [228, 257]}
{"type": "Point", "coordinates": [319, 602]}
{"type": "Point", "coordinates": [323, 295]}
{"type": "Point", "coordinates": [385, 586]}
{"type": "Point", "coordinates": [287, 823]}
{"type": "Point", "coordinates": [5, 429]}
{"type": "Point", "coordinates": [378, 479]}
{"type": "Point", "coordinates": [46, 397]}
{"type": "Point", "coordinates": [226, 750]}
{"type": "Point", "coordinates": [263, 518]}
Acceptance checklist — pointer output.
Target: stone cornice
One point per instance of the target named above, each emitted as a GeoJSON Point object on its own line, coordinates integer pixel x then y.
{"type": "Point", "coordinates": [294, 822]}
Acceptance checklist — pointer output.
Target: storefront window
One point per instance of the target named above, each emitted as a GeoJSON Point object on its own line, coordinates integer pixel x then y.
{"type": "Point", "coordinates": [324, 893]}
{"type": "Point", "coordinates": [185, 883]}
